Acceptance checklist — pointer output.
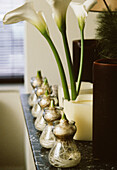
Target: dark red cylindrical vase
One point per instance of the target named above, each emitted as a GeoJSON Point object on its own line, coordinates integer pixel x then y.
{"type": "Point", "coordinates": [105, 109]}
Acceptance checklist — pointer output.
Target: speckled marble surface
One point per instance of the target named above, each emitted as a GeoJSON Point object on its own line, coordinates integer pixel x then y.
{"type": "Point", "coordinates": [40, 154]}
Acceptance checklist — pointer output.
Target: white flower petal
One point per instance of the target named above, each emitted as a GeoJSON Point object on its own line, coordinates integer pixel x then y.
{"type": "Point", "coordinates": [42, 26]}
{"type": "Point", "coordinates": [26, 12]}
{"type": "Point", "coordinates": [59, 8]}
{"type": "Point", "coordinates": [89, 4]}
{"type": "Point", "coordinates": [78, 9]}
{"type": "Point", "coordinates": [81, 11]}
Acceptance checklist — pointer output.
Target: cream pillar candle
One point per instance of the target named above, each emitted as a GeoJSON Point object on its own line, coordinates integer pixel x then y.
{"type": "Point", "coordinates": [86, 87]}
{"type": "Point", "coordinates": [80, 111]}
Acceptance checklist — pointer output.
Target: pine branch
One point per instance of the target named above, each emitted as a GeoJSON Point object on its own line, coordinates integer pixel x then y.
{"type": "Point", "coordinates": [107, 34]}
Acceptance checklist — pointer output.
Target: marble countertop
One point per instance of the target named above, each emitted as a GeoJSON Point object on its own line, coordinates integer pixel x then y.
{"type": "Point", "coordinates": [40, 154]}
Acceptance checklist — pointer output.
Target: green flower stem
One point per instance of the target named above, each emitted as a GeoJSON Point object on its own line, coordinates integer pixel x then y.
{"type": "Point", "coordinates": [46, 93]}
{"type": "Point", "coordinates": [39, 74]}
{"type": "Point", "coordinates": [81, 63]}
{"type": "Point", "coordinates": [69, 62]}
{"type": "Point", "coordinates": [64, 117]}
{"type": "Point", "coordinates": [52, 104]}
{"type": "Point", "coordinates": [60, 67]}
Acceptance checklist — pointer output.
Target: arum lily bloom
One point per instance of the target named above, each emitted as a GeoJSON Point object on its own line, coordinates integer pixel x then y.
{"type": "Point", "coordinates": [81, 12]}
{"type": "Point", "coordinates": [27, 12]}
{"type": "Point", "coordinates": [59, 8]}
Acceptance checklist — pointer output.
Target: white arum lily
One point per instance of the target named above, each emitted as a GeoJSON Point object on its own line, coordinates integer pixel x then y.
{"type": "Point", "coordinates": [81, 11]}
{"type": "Point", "coordinates": [26, 12]}
{"type": "Point", "coordinates": [59, 8]}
